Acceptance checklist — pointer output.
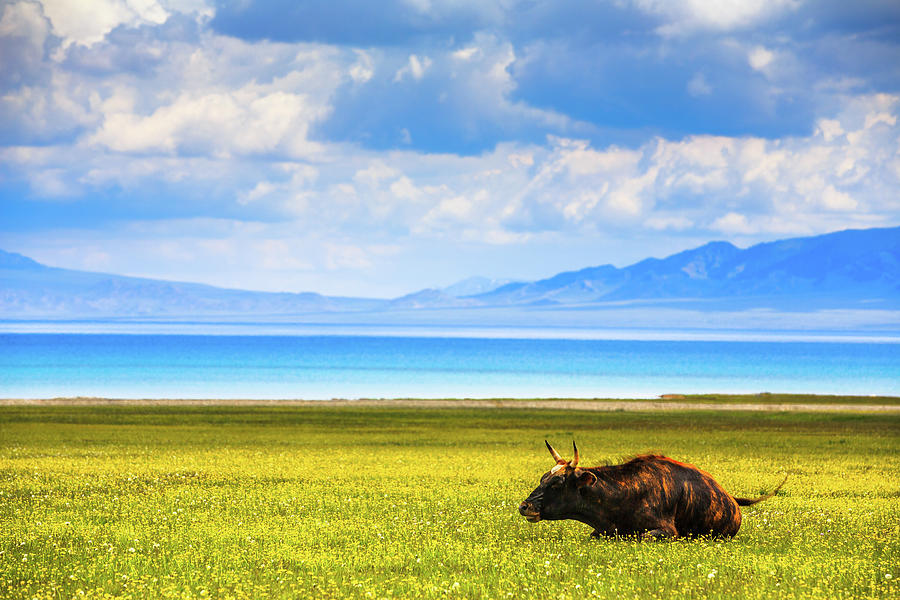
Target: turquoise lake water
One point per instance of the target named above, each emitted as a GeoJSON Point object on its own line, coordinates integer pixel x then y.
{"type": "Point", "coordinates": [323, 367]}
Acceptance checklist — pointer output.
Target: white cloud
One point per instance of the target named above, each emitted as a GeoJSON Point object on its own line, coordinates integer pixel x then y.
{"type": "Point", "coordinates": [699, 86]}
{"type": "Point", "coordinates": [404, 189]}
{"type": "Point", "coordinates": [873, 119]}
{"type": "Point", "coordinates": [733, 223]}
{"type": "Point", "coordinates": [521, 160]}
{"type": "Point", "coordinates": [290, 195]}
{"type": "Point", "coordinates": [454, 214]}
{"type": "Point", "coordinates": [833, 199]}
{"type": "Point", "coordinates": [88, 21]}
{"type": "Point", "coordinates": [260, 190]}
{"type": "Point", "coordinates": [746, 186]}
{"type": "Point", "coordinates": [466, 54]}
{"type": "Point", "coordinates": [580, 160]}
{"type": "Point", "coordinates": [662, 223]}
{"type": "Point", "coordinates": [249, 120]}
{"type": "Point", "coordinates": [829, 129]}
{"type": "Point", "coordinates": [760, 58]}
{"type": "Point", "coordinates": [346, 256]}
{"type": "Point", "coordinates": [280, 255]}
{"type": "Point", "coordinates": [697, 152]}
{"type": "Point", "coordinates": [363, 70]}
{"type": "Point", "coordinates": [375, 173]}
{"type": "Point", "coordinates": [458, 207]}
{"type": "Point", "coordinates": [717, 15]}
{"type": "Point", "coordinates": [25, 31]}
{"type": "Point", "coordinates": [630, 198]}
{"type": "Point", "coordinates": [221, 126]}
{"type": "Point", "coordinates": [415, 68]}
{"type": "Point", "coordinates": [97, 261]}
{"type": "Point", "coordinates": [53, 183]}
{"type": "Point", "coordinates": [478, 88]}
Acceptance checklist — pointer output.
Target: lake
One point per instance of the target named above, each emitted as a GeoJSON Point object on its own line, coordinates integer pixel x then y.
{"type": "Point", "coordinates": [46, 365]}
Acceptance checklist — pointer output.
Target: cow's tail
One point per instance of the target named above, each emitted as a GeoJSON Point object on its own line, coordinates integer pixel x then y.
{"type": "Point", "coordinates": [752, 501]}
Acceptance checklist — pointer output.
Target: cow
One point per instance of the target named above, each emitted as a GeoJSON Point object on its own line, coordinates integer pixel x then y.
{"type": "Point", "coordinates": [648, 496]}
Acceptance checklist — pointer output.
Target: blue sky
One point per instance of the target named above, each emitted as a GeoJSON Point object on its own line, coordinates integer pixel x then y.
{"type": "Point", "coordinates": [373, 149]}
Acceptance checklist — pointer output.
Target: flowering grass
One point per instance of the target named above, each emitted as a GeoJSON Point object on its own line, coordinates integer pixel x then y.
{"type": "Point", "coordinates": [297, 502]}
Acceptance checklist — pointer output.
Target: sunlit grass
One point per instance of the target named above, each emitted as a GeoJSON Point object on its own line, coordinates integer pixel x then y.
{"type": "Point", "coordinates": [353, 503]}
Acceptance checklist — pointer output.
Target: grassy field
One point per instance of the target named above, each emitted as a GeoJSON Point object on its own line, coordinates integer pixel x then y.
{"type": "Point", "coordinates": [786, 399]}
{"type": "Point", "coordinates": [760, 400]}
{"type": "Point", "coordinates": [270, 502]}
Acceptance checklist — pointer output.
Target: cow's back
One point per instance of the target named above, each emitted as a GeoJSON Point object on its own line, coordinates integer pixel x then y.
{"type": "Point", "coordinates": [696, 504]}
{"type": "Point", "coordinates": [703, 507]}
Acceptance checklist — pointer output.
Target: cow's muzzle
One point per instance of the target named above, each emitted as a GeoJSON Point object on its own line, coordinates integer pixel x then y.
{"type": "Point", "coordinates": [530, 512]}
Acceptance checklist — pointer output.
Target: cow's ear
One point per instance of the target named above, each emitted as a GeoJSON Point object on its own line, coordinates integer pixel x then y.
{"type": "Point", "coordinates": [583, 477]}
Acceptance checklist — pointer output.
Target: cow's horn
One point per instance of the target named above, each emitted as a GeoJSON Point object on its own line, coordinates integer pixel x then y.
{"type": "Point", "coordinates": [554, 453]}
{"type": "Point", "coordinates": [574, 461]}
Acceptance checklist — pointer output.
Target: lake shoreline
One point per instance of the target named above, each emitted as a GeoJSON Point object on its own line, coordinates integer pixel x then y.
{"type": "Point", "coordinates": [324, 368]}
{"type": "Point", "coordinates": [772, 404]}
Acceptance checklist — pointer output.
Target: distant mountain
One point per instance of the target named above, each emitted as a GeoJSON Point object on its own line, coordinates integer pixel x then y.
{"type": "Point", "coordinates": [846, 269]}
{"type": "Point", "coordinates": [31, 290]}
{"type": "Point", "coordinates": [458, 295]}
{"type": "Point", "coordinates": [13, 261]}
{"type": "Point", "coordinates": [474, 285]}
{"type": "Point", "coordinates": [852, 265]}
{"type": "Point", "coordinates": [429, 298]}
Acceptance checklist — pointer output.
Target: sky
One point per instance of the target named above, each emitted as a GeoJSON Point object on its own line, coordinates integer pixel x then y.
{"type": "Point", "coordinates": [376, 148]}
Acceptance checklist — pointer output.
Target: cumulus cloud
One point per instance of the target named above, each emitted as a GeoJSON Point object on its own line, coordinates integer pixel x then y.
{"type": "Point", "coordinates": [725, 184]}
{"type": "Point", "coordinates": [721, 15]}
{"type": "Point", "coordinates": [494, 65]}
{"type": "Point", "coordinates": [414, 68]}
{"type": "Point", "coordinates": [89, 21]}
{"type": "Point", "coordinates": [23, 34]}
{"type": "Point", "coordinates": [732, 223]}
{"type": "Point", "coordinates": [326, 155]}
{"type": "Point", "coordinates": [662, 223]}
{"type": "Point", "coordinates": [451, 99]}
{"type": "Point", "coordinates": [796, 185]}
{"type": "Point", "coordinates": [364, 69]}
{"type": "Point", "coordinates": [245, 121]}
{"type": "Point", "coordinates": [760, 58]}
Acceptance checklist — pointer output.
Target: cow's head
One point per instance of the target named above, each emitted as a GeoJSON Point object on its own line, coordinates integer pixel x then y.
{"type": "Point", "coordinates": [559, 494]}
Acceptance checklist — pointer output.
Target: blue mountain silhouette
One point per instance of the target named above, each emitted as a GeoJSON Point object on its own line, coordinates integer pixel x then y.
{"type": "Point", "coordinates": [851, 269]}
{"type": "Point", "coordinates": [852, 265]}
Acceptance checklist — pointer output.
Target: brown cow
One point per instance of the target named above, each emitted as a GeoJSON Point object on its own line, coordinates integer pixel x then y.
{"type": "Point", "coordinates": [649, 496]}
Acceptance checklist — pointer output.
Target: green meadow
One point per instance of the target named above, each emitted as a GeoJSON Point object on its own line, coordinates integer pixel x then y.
{"type": "Point", "coordinates": [328, 502]}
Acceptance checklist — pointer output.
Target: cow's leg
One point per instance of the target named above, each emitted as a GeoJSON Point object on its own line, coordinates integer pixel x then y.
{"type": "Point", "coordinates": [657, 534]}
{"type": "Point", "coordinates": [605, 531]}
{"type": "Point", "coordinates": [663, 531]}
{"type": "Point", "coordinates": [601, 534]}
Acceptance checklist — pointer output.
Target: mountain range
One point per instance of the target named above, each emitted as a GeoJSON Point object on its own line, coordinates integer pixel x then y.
{"type": "Point", "coordinates": [847, 266]}
{"type": "Point", "coordinates": [846, 269]}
